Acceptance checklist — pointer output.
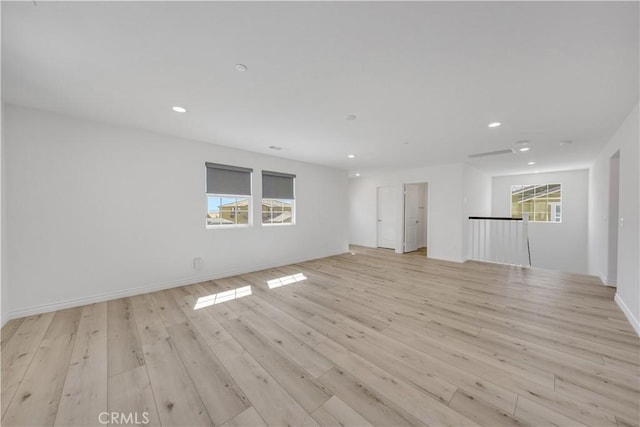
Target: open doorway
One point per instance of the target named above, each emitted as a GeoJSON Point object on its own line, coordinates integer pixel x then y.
{"type": "Point", "coordinates": [415, 217]}
{"type": "Point", "coordinates": [614, 195]}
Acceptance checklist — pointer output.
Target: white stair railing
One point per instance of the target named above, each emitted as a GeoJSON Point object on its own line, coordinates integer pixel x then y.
{"type": "Point", "coordinates": [500, 240]}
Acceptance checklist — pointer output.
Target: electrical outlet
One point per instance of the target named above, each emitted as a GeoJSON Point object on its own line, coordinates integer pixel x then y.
{"type": "Point", "coordinates": [197, 264]}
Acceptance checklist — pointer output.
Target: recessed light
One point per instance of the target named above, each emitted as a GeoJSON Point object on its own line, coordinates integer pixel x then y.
{"type": "Point", "coordinates": [531, 163]}
{"type": "Point", "coordinates": [351, 156]}
{"type": "Point", "coordinates": [241, 67]}
{"type": "Point", "coordinates": [525, 149]}
{"type": "Point", "coordinates": [350, 117]}
{"type": "Point", "coordinates": [357, 174]}
{"type": "Point", "coordinates": [494, 124]}
{"type": "Point", "coordinates": [179, 109]}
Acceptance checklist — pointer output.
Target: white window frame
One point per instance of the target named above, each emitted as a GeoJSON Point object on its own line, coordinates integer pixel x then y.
{"type": "Point", "coordinates": [231, 196]}
{"type": "Point", "coordinates": [278, 224]}
{"type": "Point", "coordinates": [552, 204]}
{"type": "Point", "coordinates": [555, 205]}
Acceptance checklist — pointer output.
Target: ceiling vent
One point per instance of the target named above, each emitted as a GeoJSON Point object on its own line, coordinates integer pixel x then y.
{"type": "Point", "coordinates": [275, 147]}
{"type": "Point", "coordinates": [492, 153]}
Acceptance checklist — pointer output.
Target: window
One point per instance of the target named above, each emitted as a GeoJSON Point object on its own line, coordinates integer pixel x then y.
{"type": "Point", "coordinates": [278, 200]}
{"type": "Point", "coordinates": [228, 196]}
{"type": "Point", "coordinates": [543, 202]}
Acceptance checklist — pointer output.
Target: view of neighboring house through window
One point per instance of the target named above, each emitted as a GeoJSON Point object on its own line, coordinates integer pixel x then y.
{"type": "Point", "coordinates": [278, 198]}
{"type": "Point", "coordinates": [228, 195]}
{"type": "Point", "coordinates": [542, 202]}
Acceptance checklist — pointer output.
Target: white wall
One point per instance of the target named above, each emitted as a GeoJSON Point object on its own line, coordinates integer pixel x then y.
{"type": "Point", "coordinates": [476, 202]}
{"type": "Point", "coordinates": [559, 246]}
{"type": "Point", "coordinates": [626, 139]}
{"type": "Point", "coordinates": [96, 211]}
{"type": "Point", "coordinates": [444, 207]}
{"type": "Point", "coordinates": [3, 300]}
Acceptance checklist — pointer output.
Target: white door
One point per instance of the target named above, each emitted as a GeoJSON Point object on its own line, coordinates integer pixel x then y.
{"type": "Point", "coordinates": [387, 208]}
{"type": "Point", "coordinates": [412, 226]}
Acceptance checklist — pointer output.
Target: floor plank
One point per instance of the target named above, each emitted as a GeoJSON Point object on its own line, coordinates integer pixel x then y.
{"type": "Point", "coordinates": [334, 412]}
{"type": "Point", "coordinates": [219, 392]}
{"type": "Point", "coordinates": [36, 400]}
{"type": "Point", "coordinates": [18, 353]}
{"type": "Point", "coordinates": [125, 349]}
{"type": "Point", "coordinates": [130, 393]}
{"type": "Point", "coordinates": [176, 398]}
{"type": "Point", "coordinates": [248, 418]}
{"type": "Point", "coordinates": [302, 386]}
{"type": "Point", "coordinates": [84, 395]}
{"type": "Point", "coordinates": [271, 401]}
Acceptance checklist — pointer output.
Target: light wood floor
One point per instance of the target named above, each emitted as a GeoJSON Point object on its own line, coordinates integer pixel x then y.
{"type": "Point", "coordinates": [369, 338]}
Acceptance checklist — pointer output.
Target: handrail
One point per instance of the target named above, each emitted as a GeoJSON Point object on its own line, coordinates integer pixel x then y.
{"type": "Point", "coordinates": [497, 218]}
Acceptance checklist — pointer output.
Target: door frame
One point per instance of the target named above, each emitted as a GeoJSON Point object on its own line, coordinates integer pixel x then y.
{"type": "Point", "coordinates": [394, 195]}
{"type": "Point", "coordinates": [613, 226]}
{"type": "Point", "coordinates": [426, 220]}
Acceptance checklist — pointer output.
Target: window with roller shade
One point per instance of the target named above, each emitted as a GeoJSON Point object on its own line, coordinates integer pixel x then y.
{"type": "Point", "coordinates": [278, 198]}
{"type": "Point", "coordinates": [228, 196]}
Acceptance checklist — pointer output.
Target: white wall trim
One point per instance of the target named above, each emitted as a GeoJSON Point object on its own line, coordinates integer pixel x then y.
{"type": "Point", "coordinates": [634, 322]}
{"type": "Point", "coordinates": [607, 282]}
{"type": "Point", "coordinates": [77, 302]}
{"type": "Point", "coordinates": [456, 260]}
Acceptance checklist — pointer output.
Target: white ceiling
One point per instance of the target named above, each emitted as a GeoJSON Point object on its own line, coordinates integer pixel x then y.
{"type": "Point", "coordinates": [430, 74]}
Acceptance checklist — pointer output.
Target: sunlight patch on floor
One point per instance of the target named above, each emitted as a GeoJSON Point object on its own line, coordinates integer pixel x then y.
{"type": "Point", "coordinates": [221, 297]}
{"type": "Point", "coordinates": [286, 280]}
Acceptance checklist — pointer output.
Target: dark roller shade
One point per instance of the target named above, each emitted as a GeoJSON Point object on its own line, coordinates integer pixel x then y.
{"type": "Point", "coordinates": [225, 179]}
{"type": "Point", "coordinates": [276, 185]}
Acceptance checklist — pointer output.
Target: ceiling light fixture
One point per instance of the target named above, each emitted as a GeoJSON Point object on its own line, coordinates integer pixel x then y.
{"type": "Point", "coordinates": [525, 148]}
{"type": "Point", "coordinates": [179, 109]}
{"type": "Point", "coordinates": [351, 156]}
{"type": "Point", "coordinates": [357, 174]}
{"type": "Point", "coordinates": [494, 124]}
{"type": "Point", "coordinates": [350, 117]}
{"type": "Point", "coordinates": [241, 67]}
{"type": "Point", "coordinates": [531, 163]}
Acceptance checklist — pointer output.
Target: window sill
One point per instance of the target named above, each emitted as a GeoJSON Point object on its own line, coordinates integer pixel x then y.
{"type": "Point", "coordinates": [222, 227]}
{"type": "Point", "coordinates": [279, 225]}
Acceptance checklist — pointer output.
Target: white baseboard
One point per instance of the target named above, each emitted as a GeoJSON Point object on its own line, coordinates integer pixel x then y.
{"type": "Point", "coordinates": [76, 302]}
{"type": "Point", "coordinates": [630, 317]}
{"type": "Point", "coordinates": [438, 258]}
{"type": "Point", "coordinates": [607, 282]}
